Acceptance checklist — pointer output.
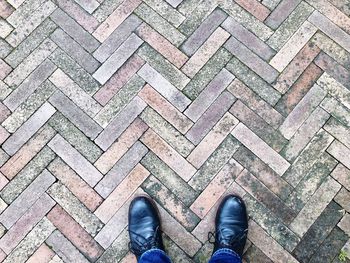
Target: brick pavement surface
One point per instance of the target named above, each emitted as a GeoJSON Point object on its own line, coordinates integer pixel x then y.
{"type": "Point", "coordinates": [182, 100]}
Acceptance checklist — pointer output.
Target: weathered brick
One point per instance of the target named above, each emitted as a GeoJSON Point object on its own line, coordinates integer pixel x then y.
{"type": "Point", "coordinates": [281, 13]}
{"type": "Point", "coordinates": [74, 232]}
{"type": "Point", "coordinates": [216, 188]}
{"type": "Point", "coordinates": [170, 202]}
{"type": "Point", "coordinates": [31, 242]}
{"type": "Point", "coordinates": [199, 36]}
{"type": "Point", "coordinates": [29, 128]}
{"type": "Point", "coordinates": [296, 67]}
{"type": "Point", "coordinates": [251, 60]}
{"type": "Point", "coordinates": [75, 115]}
{"type": "Point", "coordinates": [165, 130]}
{"type": "Point", "coordinates": [26, 199]}
{"type": "Point", "coordinates": [118, 125]}
{"type": "Point", "coordinates": [165, 109]}
{"type": "Point", "coordinates": [164, 87]}
{"type": "Point", "coordinates": [311, 182]}
{"type": "Point", "coordinates": [335, 89]}
{"type": "Point", "coordinates": [115, 19]}
{"type": "Point", "coordinates": [121, 169]}
{"type": "Point", "coordinates": [263, 172]}
{"type": "Point", "coordinates": [118, 80]}
{"type": "Point", "coordinates": [255, 8]}
{"type": "Point", "coordinates": [302, 111]}
{"type": "Point", "coordinates": [315, 206]}
{"type": "Point", "coordinates": [117, 59]}
{"type": "Point", "coordinates": [330, 29]}
{"type": "Point", "coordinates": [89, 6]}
{"type": "Point", "coordinates": [337, 110]}
{"type": "Point", "coordinates": [318, 232]}
{"type": "Point", "coordinates": [210, 117]}
{"type": "Point", "coordinates": [73, 29]}
{"type": "Point", "coordinates": [209, 94]}
{"type": "Point", "coordinates": [159, 24]}
{"type": "Point", "coordinates": [175, 76]}
{"type": "Point", "coordinates": [253, 186]}
{"type": "Point", "coordinates": [78, 163]}
{"type": "Point", "coordinates": [29, 85]}
{"type": "Point", "coordinates": [173, 159]}
{"type": "Point", "coordinates": [169, 178]}
{"type": "Point", "coordinates": [75, 208]}
{"type": "Point", "coordinates": [253, 81]}
{"type": "Point", "coordinates": [331, 247]}
{"type": "Point", "coordinates": [64, 248]}
{"type": "Point", "coordinates": [213, 139]}
{"type": "Point", "coordinates": [255, 123]}
{"type": "Point", "coordinates": [27, 152]}
{"type": "Point", "coordinates": [340, 152]}
{"type": "Point", "coordinates": [30, 43]}
{"type": "Point", "coordinates": [22, 71]}
{"type": "Point", "coordinates": [73, 49]}
{"type": "Point", "coordinates": [214, 164]}
{"type": "Point", "coordinates": [268, 245]}
{"type": "Point", "coordinates": [116, 38]}
{"type": "Point", "coordinates": [342, 175]}
{"type": "Point", "coordinates": [250, 40]}
{"type": "Point", "coordinates": [75, 137]}
{"type": "Point", "coordinates": [293, 46]}
{"type": "Point", "coordinates": [75, 93]}
{"type": "Point", "coordinates": [205, 75]}
{"type": "Point", "coordinates": [298, 89]}
{"type": "Point", "coordinates": [42, 255]}
{"type": "Point", "coordinates": [36, 17]}
{"type": "Point", "coordinates": [121, 193]}
{"type": "Point", "coordinates": [260, 148]}
{"type": "Point", "coordinates": [290, 25]}
{"type": "Point", "coordinates": [75, 184]}
{"type": "Point", "coordinates": [89, 23]}
{"type": "Point", "coordinates": [162, 45]}
{"type": "Point", "coordinates": [203, 54]}
{"type": "Point", "coordinates": [27, 175]}
{"type": "Point", "coordinates": [120, 147]}
{"type": "Point", "coordinates": [24, 224]}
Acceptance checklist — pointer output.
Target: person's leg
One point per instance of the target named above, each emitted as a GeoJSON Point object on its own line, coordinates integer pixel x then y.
{"type": "Point", "coordinates": [154, 256]}
{"type": "Point", "coordinates": [225, 255]}
{"type": "Point", "coordinates": [231, 229]}
{"type": "Point", "coordinates": [144, 231]}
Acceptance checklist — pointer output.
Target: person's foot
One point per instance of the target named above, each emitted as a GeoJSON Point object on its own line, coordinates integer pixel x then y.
{"type": "Point", "coordinates": [231, 225]}
{"type": "Point", "coordinates": [144, 226]}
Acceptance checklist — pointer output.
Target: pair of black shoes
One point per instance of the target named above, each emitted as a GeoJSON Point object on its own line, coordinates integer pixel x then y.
{"type": "Point", "coordinates": [231, 226]}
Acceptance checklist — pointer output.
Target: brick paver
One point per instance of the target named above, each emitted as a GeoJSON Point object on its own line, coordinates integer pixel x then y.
{"type": "Point", "coordinates": [182, 100]}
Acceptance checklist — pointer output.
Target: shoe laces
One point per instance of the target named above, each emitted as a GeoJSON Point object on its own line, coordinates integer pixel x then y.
{"type": "Point", "coordinates": [141, 244]}
{"type": "Point", "coordinates": [230, 241]}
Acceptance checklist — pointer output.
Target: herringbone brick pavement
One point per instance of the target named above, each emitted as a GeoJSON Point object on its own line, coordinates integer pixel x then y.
{"type": "Point", "coordinates": [183, 100]}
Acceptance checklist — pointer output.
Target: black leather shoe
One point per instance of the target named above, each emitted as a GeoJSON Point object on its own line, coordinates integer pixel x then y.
{"type": "Point", "coordinates": [231, 225]}
{"type": "Point", "coordinates": [144, 226]}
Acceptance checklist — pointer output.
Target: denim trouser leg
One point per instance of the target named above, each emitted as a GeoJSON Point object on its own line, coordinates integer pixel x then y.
{"type": "Point", "coordinates": [220, 256]}
{"type": "Point", "coordinates": [154, 256]}
{"type": "Point", "coordinates": [225, 255]}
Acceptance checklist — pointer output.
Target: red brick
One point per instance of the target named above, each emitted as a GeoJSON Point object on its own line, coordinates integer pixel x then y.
{"type": "Point", "coordinates": [121, 193]}
{"type": "Point", "coordinates": [75, 233]}
{"type": "Point", "coordinates": [121, 146]}
{"type": "Point", "coordinates": [42, 255]}
{"type": "Point", "coordinates": [165, 109]}
{"type": "Point", "coordinates": [298, 90]}
{"type": "Point", "coordinates": [75, 184]}
{"type": "Point", "coordinates": [27, 152]}
{"type": "Point", "coordinates": [255, 8]}
{"type": "Point", "coordinates": [217, 187]}
{"type": "Point", "coordinates": [162, 45]}
{"type": "Point", "coordinates": [172, 158]}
